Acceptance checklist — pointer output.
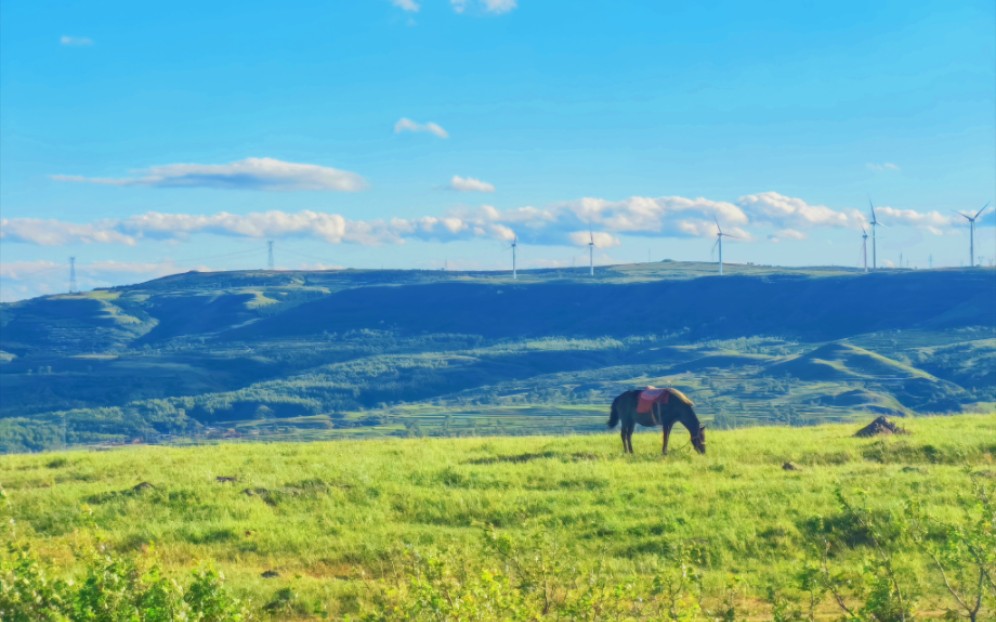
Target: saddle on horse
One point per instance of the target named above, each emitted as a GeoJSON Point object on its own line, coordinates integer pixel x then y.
{"type": "Point", "coordinates": [649, 397]}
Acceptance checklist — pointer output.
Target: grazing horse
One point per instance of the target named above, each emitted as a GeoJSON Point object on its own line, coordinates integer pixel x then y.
{"type": "Point", "coordinates": [668, 407]}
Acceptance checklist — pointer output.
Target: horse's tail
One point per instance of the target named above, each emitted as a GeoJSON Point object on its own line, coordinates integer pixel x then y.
{"type": "Point", "coordinates": [614, 414]}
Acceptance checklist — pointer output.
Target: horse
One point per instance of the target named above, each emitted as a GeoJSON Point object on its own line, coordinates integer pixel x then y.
{"type": "Point", "coordinates": [672, 406]}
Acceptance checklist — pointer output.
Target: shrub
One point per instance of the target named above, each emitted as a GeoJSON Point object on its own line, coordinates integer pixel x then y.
{"type": "Point", "coordinates": [110, 587]}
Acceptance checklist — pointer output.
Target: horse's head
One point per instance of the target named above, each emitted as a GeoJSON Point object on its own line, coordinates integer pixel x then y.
{"type": "Point", "coordinates": [698, 440]}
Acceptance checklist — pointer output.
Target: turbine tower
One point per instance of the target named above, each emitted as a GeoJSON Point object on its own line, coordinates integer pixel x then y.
{"type": "Point", "coordinates": [591, 253]}
{"type": "Point", "coordinates": [269, 249]}
{"type": "Point", "coordinates": [72, 276]}
{"type": "Point", "coordinates": [971, 235]}
{"type": "Point", "coordinates": [515, 242]}
{"type": "Point", "coordinates": [864, 248]}
{"type": "Point", "coordinates": [874, 223]}
{"type": "Point", "coordinates": [719, 243]}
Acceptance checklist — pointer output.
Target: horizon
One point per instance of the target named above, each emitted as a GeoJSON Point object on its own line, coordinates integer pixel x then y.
{"type": "Point", "coordinates": [706, 269]}
{"type": "Point", "coordinates": [407, 134]}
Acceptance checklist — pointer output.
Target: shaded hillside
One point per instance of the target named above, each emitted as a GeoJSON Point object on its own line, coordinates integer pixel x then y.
{"type": "Point", "coordinates": [71, 324]}
{"type": "Point", "coordinates": [707, 308]}
{"type": "Point", "coordinates": [403, 352]}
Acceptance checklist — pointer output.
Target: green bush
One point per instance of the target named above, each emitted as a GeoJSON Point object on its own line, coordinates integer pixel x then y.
{"type": "Point", "coordinates": [109, 587]}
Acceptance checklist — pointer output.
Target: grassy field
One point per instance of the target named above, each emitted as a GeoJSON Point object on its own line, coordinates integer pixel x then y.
{"type": "Point", "coordinates": [533, 527]}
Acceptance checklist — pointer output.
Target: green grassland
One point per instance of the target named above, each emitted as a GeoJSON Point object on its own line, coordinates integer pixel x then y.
{"type": "Point", "coordinates": [535, 527]}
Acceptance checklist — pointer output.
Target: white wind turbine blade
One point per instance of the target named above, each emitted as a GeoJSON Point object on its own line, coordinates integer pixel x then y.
{"type": "Point", "coordinates": [982, 209]}
{"type": "Point", "coordinates": [871, 208]}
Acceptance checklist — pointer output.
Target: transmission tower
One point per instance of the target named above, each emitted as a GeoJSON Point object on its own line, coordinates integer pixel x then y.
{"type": "Point", "coordinates": [72, 276]}
{"type": "Point", "coordinates": [269, 247]}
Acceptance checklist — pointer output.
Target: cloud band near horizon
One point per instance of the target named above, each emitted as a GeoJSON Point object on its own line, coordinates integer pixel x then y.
{"type": "Point", "coordinates": [566, 223]}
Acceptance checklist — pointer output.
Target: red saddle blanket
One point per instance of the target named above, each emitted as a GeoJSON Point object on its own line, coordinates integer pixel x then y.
{"type": "Point", "coordinates": [650, 397]}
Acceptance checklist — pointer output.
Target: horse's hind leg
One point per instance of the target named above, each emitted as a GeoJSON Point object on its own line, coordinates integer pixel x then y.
{"type": "Point", "coordinates": [628, 439]}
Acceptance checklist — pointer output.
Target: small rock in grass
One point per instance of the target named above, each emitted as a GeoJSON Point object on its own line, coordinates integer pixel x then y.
{"type": "Point", "coordinates": [789, 466]}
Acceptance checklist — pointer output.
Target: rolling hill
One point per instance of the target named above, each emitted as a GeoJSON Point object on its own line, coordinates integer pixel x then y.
{"type": "Point", "coordinates": [318, 354]}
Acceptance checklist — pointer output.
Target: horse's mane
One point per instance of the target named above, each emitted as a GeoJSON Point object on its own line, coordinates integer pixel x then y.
{"type": "Point", "coordinates": [681, 396]}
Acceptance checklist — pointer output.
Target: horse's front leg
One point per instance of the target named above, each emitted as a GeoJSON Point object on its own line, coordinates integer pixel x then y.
{"type": "Point", "coordinates": [667, 435]}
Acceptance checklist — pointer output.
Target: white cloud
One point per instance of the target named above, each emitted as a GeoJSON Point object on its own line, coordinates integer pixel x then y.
{"type": "Point", "coordinates": [247, 174]}
{"type": "Point", "coordinates": [784, 211]}
{"type": "Point", "coordinates": [69, 41]}
{"type": "Point", "coordinates": [470, 184]}
{"type": "Point", "coordinates": [407, 125]}
{"type": "Point", "coordinates": [601, 239]}
{"type": "Point", "coordinates": [792, 214]}
{"type": "Point", "coordinates": [645, 216]}
{"type": "Point", "coordinates": [459, 6]}
{"type": "Point", "coordinates": [704, 229]}
{"type": "Point", "coordinates": [781, 218]}
{"type": "Point", "coordinates": [410, 6]}
{"type": "Point", "coordinates": [655, 216]}
{"type": "Point", "coordinates": [51, 232]}
{"type": "Point", "coordinates": [882, 167]}
{"type": "Point", "coordinates": [933, 221]}
{"type": "Point", "coordinates": [331, 228]}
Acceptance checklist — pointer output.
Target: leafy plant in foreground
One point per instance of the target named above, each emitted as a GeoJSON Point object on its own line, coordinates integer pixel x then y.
{"type": "Point", "coordinates": [110, 588]}
{"type": "Point", "coordinates": [534, 579]}
{"type": "Point", "coordinates": [881, 589]}
{"type": "Point", "coordinates": [965, 556]}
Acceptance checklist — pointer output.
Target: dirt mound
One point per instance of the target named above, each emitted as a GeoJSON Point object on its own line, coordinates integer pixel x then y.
{"type": "Point", "coordinates": [881, 425]}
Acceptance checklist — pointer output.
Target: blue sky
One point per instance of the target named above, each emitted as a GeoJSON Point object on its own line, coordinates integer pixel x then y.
{"type": "Point", "coordinates": [146, 139]}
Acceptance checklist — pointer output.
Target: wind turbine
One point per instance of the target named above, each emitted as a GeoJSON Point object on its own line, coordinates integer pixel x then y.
{"type": "Point", "coordinates": [874, 223]}
{"type": "Point", "coordinates": [591, 253]}
{"type": "Point", "coordinates": [719, 242]}
{"type": "Point", "coordinates": [515, 242]}
{"type": "Point", "coordinates": [864, 248]}
{"type": "Point", "coordinates": [971, 238]}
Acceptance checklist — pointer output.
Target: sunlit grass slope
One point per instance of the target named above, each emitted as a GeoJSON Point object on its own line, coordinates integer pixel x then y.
{"type": "Point", "coordinates": [348, 526]}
